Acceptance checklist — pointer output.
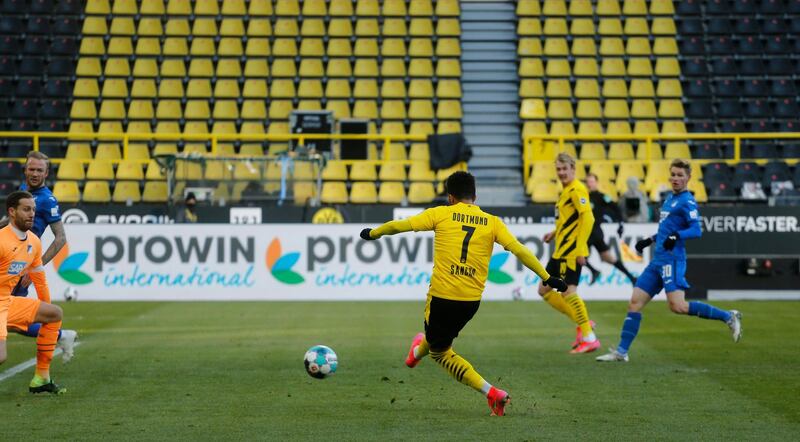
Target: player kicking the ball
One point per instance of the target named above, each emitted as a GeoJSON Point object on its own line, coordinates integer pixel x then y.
{"type": "Point", "coordinates": [679, 221]}
{"type": "Point", "coordinates": [464, 237]}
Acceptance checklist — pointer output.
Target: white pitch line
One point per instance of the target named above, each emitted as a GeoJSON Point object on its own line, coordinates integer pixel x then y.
{"type": "Point", "coordinates": [19, 368]}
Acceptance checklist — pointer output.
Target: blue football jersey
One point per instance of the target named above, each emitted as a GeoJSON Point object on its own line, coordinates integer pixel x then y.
{"type": "Point", "coordinates": [679, 215]}
{"type": "Point", "coordinates": [47, 210]}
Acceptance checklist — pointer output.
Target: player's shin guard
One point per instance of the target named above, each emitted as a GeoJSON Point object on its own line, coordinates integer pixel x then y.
{"type": "Point", "coordinates": [706, 311]}
{"type": "Point", "coordinates": [45, 345]}
{"type": "Point", "coordinates": [557, 302]}
{"type": "Point", "coordinates": [581, 315]}
{"type": "Point", "coordinates": [630, 328]}
{"type": "Point", "coordinates": [459, 368]}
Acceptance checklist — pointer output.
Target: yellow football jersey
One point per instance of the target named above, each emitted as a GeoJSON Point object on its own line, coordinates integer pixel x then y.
{"type": "Point", "coordinates": [462, 247]}
{"type": "Point", "coordinates": [573, 201]}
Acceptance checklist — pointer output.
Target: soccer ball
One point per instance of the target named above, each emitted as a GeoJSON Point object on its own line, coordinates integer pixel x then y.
{"type": "Point", "coordinates": [320, 361]}
{"type": "Point", "coordinates": [516, 293]}
{"type": "Point", "coordinates": [71, 294]}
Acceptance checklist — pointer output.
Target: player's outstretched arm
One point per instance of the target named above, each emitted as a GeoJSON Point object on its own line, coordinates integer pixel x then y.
{"type": "Point", "coordinates": [643, 244]}
{"type": "Point", "coordinates": [40, 282]}
{"type": "Point", "coordinates": [390, 228]}
{"type": "Point", "coordinates": [529, 260]}
{"type": "Point", "coordinates": [58, 242]}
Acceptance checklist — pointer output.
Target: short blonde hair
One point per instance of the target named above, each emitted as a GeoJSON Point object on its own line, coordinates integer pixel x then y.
{"type": "Point", "coordinates": [681, 164]}
{"type": "Point", "coordinates": [565, 158]}
{"type": "Point", "coordinates": [37, 155]}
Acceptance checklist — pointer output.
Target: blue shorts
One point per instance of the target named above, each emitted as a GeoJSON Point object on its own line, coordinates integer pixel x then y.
{"type": "Point", "coordinates": [19, 290]}
{"type": "Point", "coordinates": [669, 275]}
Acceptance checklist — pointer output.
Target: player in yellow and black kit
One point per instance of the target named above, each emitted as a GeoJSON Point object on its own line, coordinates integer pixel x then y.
{"type": "Point", "coordinates": [574, 222]}
{"type": "Point", "coordinates": [464, 237]}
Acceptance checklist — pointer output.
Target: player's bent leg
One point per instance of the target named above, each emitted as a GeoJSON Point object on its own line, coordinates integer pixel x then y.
{"type": "Point", "coordinates": [732, 318]}
{"type": "Point", "coordinates": [50, 317]}
{"type": "Point", "coordinates": [462, 371]}
{"type": "Point", "coordinates": [588, 342]}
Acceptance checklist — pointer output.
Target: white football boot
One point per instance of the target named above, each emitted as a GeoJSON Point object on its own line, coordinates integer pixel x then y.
{"type": "Point", "coordinates": [612, 356]}
{"type": "Point", "coordinates": [67, 344]}
{"type": "Point", "coordinates": [735, 324]}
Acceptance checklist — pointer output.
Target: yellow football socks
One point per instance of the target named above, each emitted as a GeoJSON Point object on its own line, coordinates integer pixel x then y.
{"type": "Point", "coordinates": [581, 314]}
{"type": "Point", "coordinates": [459, 368]}
{"type": "Point", "coordinates": [556, 300]}
{"type": "Point", "coordinates": [422, 349]}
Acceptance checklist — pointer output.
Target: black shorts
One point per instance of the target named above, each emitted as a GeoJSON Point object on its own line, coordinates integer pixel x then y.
{"type": "Point", "coordinates": [598, 240]}
{"type": "Point", "coordinates": [445, 318]}
{"type": "Point", "coordinates": [566, 269]}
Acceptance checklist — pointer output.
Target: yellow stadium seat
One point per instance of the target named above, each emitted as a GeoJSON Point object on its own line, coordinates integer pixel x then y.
{"type": "Point", "coordinates": [662, 7]}
{"type": "Point", "coordinates": [230, 47]}
{"type": "Point", "coordinates": [643, 108]}
{"type": "Point", "coordinates": [393, 110]}
{"type": "Point", "coordinates": [365, 109]}
{"type": "Point", "coordinates": [654, 152]}
{"type": "Point", "coordinates": [663, 26]}
{"type": "Point", "coordinates": [129, 170]}
{"type": "Point", "coordinates": [283, 88]}
{"type": "Point", "coordinates": [559, 88]}
{"type": "Point", "coordinates": [645, 127]}
{"type": "Point", "coordinates": [670, 108]}
{"type": "Point", "coordinates": [200, 88]}
{"type": "Point", "coordinates": [101, 169]}
{"type": "Point", "coordinates": [88, 67]}
{"type": "Point", "coordinates": [117, 67]}
{"type": "Point", "coordinates": [368, 8]}
{"type": "Point", "coordinates": [420, 88]}
{"type": "Point", "coordinates": [585, 67]}
{"type": "Point", "coordinates": [390, 67]}
{"type": "Point", "coordinates": [314, 8]}
{"type": "Point", "coordinates": [556, 47]}
{"type": "Point", "coordinates": [96, 192]}
{"type": "Point", "coordinates": [583, 27]}
{"type": "Point", "coordinates": [178, 27]}
{"type": "Point", "coordinates": [448, 68]}
{"type": "Point", "coordinates": [197, 110]}
{"type": "Point", "coordinates": [391, 193]}
{"type": "Point", "coordinates": [120, 46]}
{"type": "Point", "coordinates": [677, 150]}
{"type": "Point", "coordinates": [254, 110]}
{"type": "Point", "coordinates": [284, 47]}
{"type": "Point", "coordinates": [390, 88]}
{"type": "Point", "coordinates": [369, 67]}
{"type": "Point", "coordinates": [95, 26]}
{"type": "Point", "coordinates": [445, 27]}
{"type": "Point", "coordinates": [423, 109]}
{"type": "Point", "coordinates": [593, 151]}
{"type": "Point", "coordinates": [260, 8]}
{"type": "Point", "coordinates": [303, 192]}
{"type": "Point", "coordinates": [339, 47]}
{"type": "Point", "coordinates": [531, 88]}
{"type": "Point", "coordinates": [340, 8]}
{"type": "Point", "coordinates": [259, 27]}
{"type": "Point", "coordinates": [152, 7]}
{"type": "Point", "coordinates": [195, 127]}
{"type": "Point", "coordinates": [67, 191]}
{"type": "Point", "coordinates": [604, 170]}
{"type": "Point", "coordinates": [333, 192]}
{"type": "Point", "coordinates": [202, 47]}
{"type": "Point", "coordinates": [313, 27]}
{"type": "Point", "coordinates": [169, 110]}
{"type": "Point", "coordinates": [225, 110]}
{"type": "Point", "coordinates": [610, 27]}
{"type": "Point", "coordinates": [612, 46]}
{"type": "Point", "coordinates": [311, 68]}
{"type": "Point", "coordinates": [363, 171]}
{"type": "Point", "coordinates": [554, 8]}
{"type": "Point", "coordinates": [555, 26]}
{"type": "Point", "coordinates": [312, 47]}
{"type": "Point", "coordinates": [448, 127]}
{"type": "Point", "coordinates": [545, 192]}
{"type": "Point", "coordinates": [340, 108]}
{"type": "Point", "coordinates": [223, 89]}
{"type": "Point", "coordinates": [447, 8]}
{"type": "Point", "coordinates": [170, 88]}
{"type": "Point", "coordinates": [392, 171]}
{"type": "Point", "coordinates": [394, 8]}
{"type": "Point", "coordinates": [665, 46]}
{"type": "Point", "coordinates": [363, 193]}
{"type": "Point", "coordinates": [71, 169]}
{"type": "Point", "coordinates": [634, 7]}
{"type": "Point", "coordinates": [616, 108]}
{"type": "Point", "coordinates": [620, 151]}
{"type": "Point", "coordinates": [636, 26]}
{"type": "Point", "coordinates": [669, 88]}
{"type": "Point", "coordinates": [589, 109]}
{"type": "Point", "coordinates": [233, 7]}
{"type": "Point", "coordinates": [612, 67]}
{"type": "Point", "coordinates": [114, 88]}
{"type": "Point", "coordinates": [393, 47]}
{"type": "Point", "coordinates": [280, 109]}
{"type": "Point", "coordinates": [558, 68]}
{"type": "Point", "coordinates": [100, 7]}
{"type": "Point", "coordinates": [583, 47]}
{"type": "Point", "coordinates": [92, 46]}
{"type": "Point", "coordinates": [394, 27]}
{"type": "Point", "coordinates": [420, 8]}
{"type": "Point", "coordinates": [639, 67]}
{"type": "Point", "coordinates": [287, 7]}
{"type": "Point", "coordinates": [340, 88]}
{"type": "Point", "coordinates": [638, 46]}
{"type": "Point", "coordinates": [528, 8]}
{"type": "Point", "coordinates": [543, 171]}
{"type": "Point", "coordinates": [421, 171]}
{"type": "Point", "coordinates": [587, 88]}
{"type": "Point", "coordinates": [529, 27]}
{"type": "Point", "coordinates": [83, 110]}
{"type": "Point", "coordinates": [448, 89]}
{"type": "Point", "coordinates": [419, 153]}
{"type": "Point", "coordinates": [204, 27]}
{"type": "Point", "coordinates": [533, 109]}
{"type": "Point", "coordinates": [617, 127]}
{"type": "Point", "coordinates": [667, 67]}
{"type": "Point", "coordinates": [529, 47]}
{"type": "Point", "coordinates": [155, 192]}
{"type": "Point", "coordinates": [608, 7]}
{"type": "Point", "coordinates": [420, 67]}
{"type": "Point", "coordinates": [560, 109]}
{"type": "Point", "coordinates": [86, 87]}
{"type": "Point", "coordinates": [176, 46]}
{"type": "Point", "coordinates": [421, 193]}
{"type": "Point", "coordinates": [365, 27]}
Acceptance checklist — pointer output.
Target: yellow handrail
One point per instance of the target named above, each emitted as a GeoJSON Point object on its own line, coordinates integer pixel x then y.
{"type": "Point", "coordinates": [534, 143]}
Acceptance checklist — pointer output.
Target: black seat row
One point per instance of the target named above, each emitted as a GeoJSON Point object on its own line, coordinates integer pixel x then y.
{"type": "Point", "coordinates": [740, 26]}
{"type": "Point", "coordinates": [747, 45]}
{"type": "Point", "coordinates": [700, 87]}
{"type": "Point", "coordinates": [730, 66]}
{"type": "Point", "coordinates": [38, 45]}
{"type": "Point", "coordinates": [42, 7]}
{"type": "Point", "coordinates": [758, 125]}
{"type": "Point", "coordinates": [49, 109]}
{"type": "Point", "coordinates": [34, 87]}
{"type": "Point", "coordinates": [36, 66]}
{"type": "Point", "coordinates": [733, 108]}
{"type": "Point", "coordinates": [737, 7]}
{"type": "Point", "coordinates": [39, 25]}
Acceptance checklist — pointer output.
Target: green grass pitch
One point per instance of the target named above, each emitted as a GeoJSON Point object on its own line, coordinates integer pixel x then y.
{"type": "Point", "coordinates": [234, 371]}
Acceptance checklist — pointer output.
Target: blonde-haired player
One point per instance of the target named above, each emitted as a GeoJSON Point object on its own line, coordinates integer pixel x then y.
{"type": "Point", "coordinates": [574, 222]}
{"type": "Point", "coordinates": [21, 253]}
{"type": "Point", "coordinates": [464, 236]}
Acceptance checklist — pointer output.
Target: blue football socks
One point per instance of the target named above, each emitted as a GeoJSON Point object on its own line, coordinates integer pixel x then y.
{"type": "Point", "coordinates": [630, 328]}
{"type": "Point", "coordinates": [706, 311]}
{"type": "Point", "coordinates": [33, 330]}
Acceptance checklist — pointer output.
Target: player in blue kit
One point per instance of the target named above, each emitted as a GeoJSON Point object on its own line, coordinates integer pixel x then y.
{"type": "Point", "coordinates": [679, 221]}
{"type": "Point", "coordinates": [37, 167]}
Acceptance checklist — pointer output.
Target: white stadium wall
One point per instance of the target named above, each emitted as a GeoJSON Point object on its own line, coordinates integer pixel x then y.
{"type": "Point", "coordinates": [290, 262]}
